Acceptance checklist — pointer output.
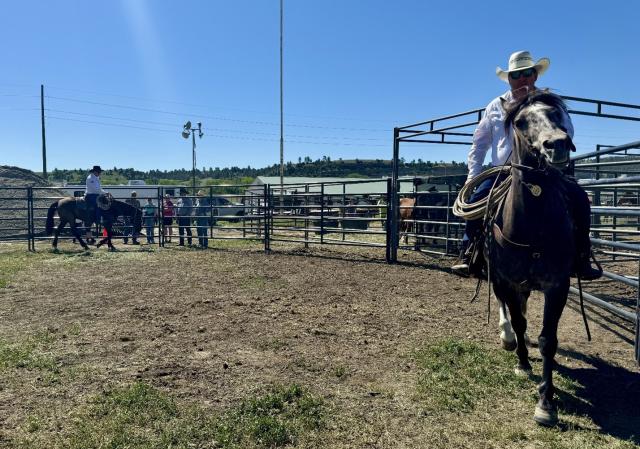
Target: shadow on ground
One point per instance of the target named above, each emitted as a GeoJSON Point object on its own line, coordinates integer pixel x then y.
{"type": "Point", "coordinates": [608, 394]}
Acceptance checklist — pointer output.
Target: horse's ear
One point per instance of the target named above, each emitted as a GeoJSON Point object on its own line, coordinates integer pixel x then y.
{"type": "Point", "coordinates": [504, 102]}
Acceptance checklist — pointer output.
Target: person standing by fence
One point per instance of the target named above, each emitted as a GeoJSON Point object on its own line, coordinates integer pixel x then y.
{"type": "Point", "coordinates": [184, 212]}
{"type": "Point", "coordinates": [149, 217]}
{"type": "Point", "coordinates": [203, 215]}
{"type": "Point", "coordinates": [167, 217]}
{"type": "Point", "coordinates": [128, 221]}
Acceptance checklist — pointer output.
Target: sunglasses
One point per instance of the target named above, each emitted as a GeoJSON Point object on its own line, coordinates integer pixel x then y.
{"type": "Point", "coordinates": [526, 73]}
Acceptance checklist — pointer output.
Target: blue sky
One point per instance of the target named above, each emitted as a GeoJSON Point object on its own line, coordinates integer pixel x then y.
{"type": "Point", "coordinates": [121, 77]}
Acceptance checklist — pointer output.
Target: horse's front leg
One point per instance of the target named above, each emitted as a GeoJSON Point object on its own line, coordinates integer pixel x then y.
{"type": "Point", "coordinates": [519, 323]}
{"type": "Point", "coordinates": [554, 302]}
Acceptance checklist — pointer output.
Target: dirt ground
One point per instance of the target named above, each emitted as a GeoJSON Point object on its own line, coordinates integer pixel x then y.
{"type": "Point", "coordinates": [214, 326]}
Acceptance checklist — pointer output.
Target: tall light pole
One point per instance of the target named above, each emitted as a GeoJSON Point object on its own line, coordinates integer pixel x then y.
{"type": "Point", "coordinates": [281, 112]}
{"type": "Point", "coordinates": [186, 132]}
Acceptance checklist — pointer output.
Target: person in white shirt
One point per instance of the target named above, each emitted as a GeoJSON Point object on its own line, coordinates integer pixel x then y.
{"type": "Point", "coordinates": [93, 189]}
{"type": "Point", "coordinates": [491, 134]}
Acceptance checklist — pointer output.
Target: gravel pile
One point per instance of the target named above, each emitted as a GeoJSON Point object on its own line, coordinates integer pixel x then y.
{"type": "Point", "coordinates": [14, 182]}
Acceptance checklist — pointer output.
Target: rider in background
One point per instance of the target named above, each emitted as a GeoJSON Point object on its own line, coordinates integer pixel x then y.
{"type": "Point", "coordinates": [92, 190]}
{"type": "Point", "coordinates": [491, 135]}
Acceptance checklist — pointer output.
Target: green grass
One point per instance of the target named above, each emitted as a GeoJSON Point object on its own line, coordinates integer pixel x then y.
{"type": "Point", "coordinates": [143, 417]}
{"type": "Point", "coordinates": [465, 383]}
{"type": "Point", "coordinates": [457, 375]}
{"type": "Point", "coordinates": [32, 354]}
{"type": "Point", "coordinates": [15, 260]}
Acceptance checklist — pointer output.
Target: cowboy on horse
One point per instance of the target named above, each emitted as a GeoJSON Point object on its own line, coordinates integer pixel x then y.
{"type": "Point", "coordinates": [92, 191]}
{"type": "Point", "coordinates": [491, 134]}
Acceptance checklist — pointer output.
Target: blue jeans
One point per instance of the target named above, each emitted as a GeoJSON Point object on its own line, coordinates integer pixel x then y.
{"type": "Point", "coordinates": [474, 227]}
{"type": "Point", "coordinates": [92, 202]}
{"type": "Point", "coordinates": [202, 228]}
{"type": "Point", "coordinates": [149, 233]}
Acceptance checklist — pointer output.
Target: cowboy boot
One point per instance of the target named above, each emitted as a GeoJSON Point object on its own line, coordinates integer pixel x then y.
{"type": "Point", "coordinates": [461, 268]}
{"type": "Point", "coordinates": [584, 270]}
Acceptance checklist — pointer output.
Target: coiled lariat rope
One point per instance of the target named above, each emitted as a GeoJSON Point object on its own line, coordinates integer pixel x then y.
{"type": "Point", "coordinates": [474, 211]}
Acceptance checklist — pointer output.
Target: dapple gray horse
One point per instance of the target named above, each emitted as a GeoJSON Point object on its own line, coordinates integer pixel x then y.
{"type": "Point", "coordinates": [532, 245]}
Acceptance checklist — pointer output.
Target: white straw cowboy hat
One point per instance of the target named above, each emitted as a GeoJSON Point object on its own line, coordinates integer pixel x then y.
{"type": "Point", "coordinates": [522, 60]}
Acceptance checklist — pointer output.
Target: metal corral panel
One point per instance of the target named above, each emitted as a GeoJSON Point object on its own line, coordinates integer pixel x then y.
{"type": "Point", "coordinates": [332, 186]}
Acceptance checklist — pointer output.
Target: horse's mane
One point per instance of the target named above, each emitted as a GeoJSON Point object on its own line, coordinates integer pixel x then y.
{"type": "Point", "coordinates": [537, 96]}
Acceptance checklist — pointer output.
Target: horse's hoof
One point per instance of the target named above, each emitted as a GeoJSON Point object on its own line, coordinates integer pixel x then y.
{"type": "Point", "coordinates": [523, 371]}
{"type": "Point", "coordinates": [547, 418]}
{"type": "Point", "coordinates": [509, 345]}
{"type": "Point", "coordinates": [112, 249]}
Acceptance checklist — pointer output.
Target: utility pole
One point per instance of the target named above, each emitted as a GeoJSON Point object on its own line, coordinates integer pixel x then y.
{"type": "Point", "coordinates": [44, 139]}
{"type": "Point", "coordinates": [186, 132]}
{"type": "Point", "coordinates": [281, 113]}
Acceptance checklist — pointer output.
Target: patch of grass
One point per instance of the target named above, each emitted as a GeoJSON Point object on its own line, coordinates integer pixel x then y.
{"type": "Point", "coordinates": [272, 420]}
{"type": "Point", "coordinates": [29, 354]}
{"type": "Point", "coordinates": [340, 371]}
{"type": "Point", "coordinates": [141, 416]}
{"type": "Point", "coordinates": [15, 260]}
{"type": "Point", "coordinates": [457, 375]}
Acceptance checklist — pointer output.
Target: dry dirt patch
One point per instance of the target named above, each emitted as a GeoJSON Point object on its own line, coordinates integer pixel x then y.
{"type": "Point", "coordinates": [213, 327]}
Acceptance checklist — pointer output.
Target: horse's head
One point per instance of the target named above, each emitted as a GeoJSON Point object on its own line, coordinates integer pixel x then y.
{"type": "Point", "coordinates": [541, 139]}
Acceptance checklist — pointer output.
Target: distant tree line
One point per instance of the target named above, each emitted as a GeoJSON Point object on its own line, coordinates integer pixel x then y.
{"type": "Point", "coordinates": [305, 167]}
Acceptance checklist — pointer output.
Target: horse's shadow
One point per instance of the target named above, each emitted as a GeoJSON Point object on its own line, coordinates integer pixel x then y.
{"type": "Point", "coordinates": [608, 394]}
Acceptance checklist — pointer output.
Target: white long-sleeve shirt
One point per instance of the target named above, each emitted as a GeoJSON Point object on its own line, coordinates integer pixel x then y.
{"type": "Point", "coordinates": [93, 185]}
{"type": "Point", "coordinates": [490, 133]}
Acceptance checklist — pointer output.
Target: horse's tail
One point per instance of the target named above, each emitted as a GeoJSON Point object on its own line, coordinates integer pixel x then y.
{"type": "Point", "coordinates": [50, 212]}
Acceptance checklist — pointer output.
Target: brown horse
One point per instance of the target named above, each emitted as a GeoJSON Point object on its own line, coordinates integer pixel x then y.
{"type": "Point", "coordinates": [71, 209]}
{"type": "Point", "coordinates": [533, 243]}
{"type": "Point", "coordinates": [407, 207]}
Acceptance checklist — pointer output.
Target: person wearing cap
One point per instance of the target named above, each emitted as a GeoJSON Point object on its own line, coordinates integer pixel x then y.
{"type": "Point", "coordinates": [491, 134]}
{"type": "Point", "coordinates": [184, 211]}
{"type": "Point", "coordinates": [128, 221]}
{"type": "Point", "coordinates": [93, 189]}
